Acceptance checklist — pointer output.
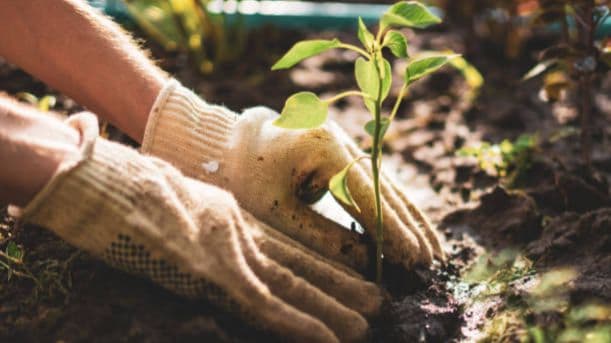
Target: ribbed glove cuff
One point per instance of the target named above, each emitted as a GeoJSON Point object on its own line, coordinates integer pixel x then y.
{"type": "Point", "coordinates": [186, 131]}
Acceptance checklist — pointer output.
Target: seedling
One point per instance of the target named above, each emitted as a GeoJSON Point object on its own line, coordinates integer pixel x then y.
{"type": "Point", "coordinates": [577, 60]}
{"type": "Point", "coordinates": [10, 257]}
{"type": "Point", "coordinates": [509, 160]}
{"type": "Point", "coordinates": [373, 73]}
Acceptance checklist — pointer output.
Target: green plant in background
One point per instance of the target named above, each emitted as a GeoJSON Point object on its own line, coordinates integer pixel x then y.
{"type": "Point", "coordinates": [50, 277]}
{"type": "Point", "coordinates": [187, 25]}
{"type": "Point", "coordinates": [577, 59]}
{"type": "Point", "coordinates": [537, 307]}
{"type": "Point", "coordinates": [305, 110]}
{"type": "Point", "coordinates": [496, 272]}
{"type": "Point", "coordinates": [44, 104]}
{"type": "Point", "coordinates": [11, 257]}
{"type": "Point", "coordinates": [508, 159]}
{"type": "Point", "coordinates": [544, 313]}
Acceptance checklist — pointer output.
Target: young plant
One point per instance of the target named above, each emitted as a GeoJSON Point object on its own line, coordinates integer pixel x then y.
{"type": "Point", "coordinates": [508, 160]}
{"type": "Point", "coordinates": [305, 110]}
{"type": "Point", "coordinates": [577, 59]}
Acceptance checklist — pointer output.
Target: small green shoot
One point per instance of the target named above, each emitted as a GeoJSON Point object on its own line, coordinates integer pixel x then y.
{"type": "Point", "coordinates": [9, 258]}
{"type": "Point", "coordinates": [508, 159]}
{"type": "Point", "coordinates": [44, 104]}
{"type": "Point", "coordinates": [373, 74]}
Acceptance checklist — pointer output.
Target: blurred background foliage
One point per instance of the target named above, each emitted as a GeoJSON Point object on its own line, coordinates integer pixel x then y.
{"type": "Point", "coordinates": [188, 26]}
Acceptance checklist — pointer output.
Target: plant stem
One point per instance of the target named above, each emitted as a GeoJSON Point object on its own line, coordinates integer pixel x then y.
{"type": "Point", "coordinates": [375, 168]}
{"type": "Point", "coordinates": [355, 48]}
{"type": "Point", "coordinates": [345, 94]}
{"type": "Point", "coordinates": [381, 31]}
{"type": "Point", "coordinates": [10, 258]}
{"type": "Point", "coordinates": [398, 102]}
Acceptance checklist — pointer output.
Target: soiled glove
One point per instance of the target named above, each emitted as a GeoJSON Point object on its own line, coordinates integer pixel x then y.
{"type": "Point", "coordinates": [143, 216]}
{"type": "Point", "coordinates": [274, 173]}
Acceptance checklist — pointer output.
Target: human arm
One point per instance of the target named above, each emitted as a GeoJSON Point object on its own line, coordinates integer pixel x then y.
{"type": "Point", "coordinates": [85, 55]}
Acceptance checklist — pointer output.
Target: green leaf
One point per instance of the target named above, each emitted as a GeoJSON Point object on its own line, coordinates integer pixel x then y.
{"type": "Point", "coordinates": [365, 36]}
{"type": "Point", "coordinates": [396, 42]}
{"type": "Point", "coordinates": [368, 81]}
{"type": "Point", "coordinates": [14, 251]}
{"type": "Point", "coordinates": [410, 14]}
{"type": "Point", "coordinates": [303, 110]}
{"type": "Point", "coordinates": [303, 50]}
{"type": "Point", "coordinates": [539, 68]}
{"type": "Point", "coordinates": [370, 127]}
{"type": "Point", "coordinates": [338, 185]}
{"type": "Point", "coordinates": [423, 66]}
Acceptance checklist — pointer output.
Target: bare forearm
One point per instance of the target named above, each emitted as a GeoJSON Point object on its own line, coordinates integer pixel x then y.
{"type": "Point", "coordinates": [72, 48]}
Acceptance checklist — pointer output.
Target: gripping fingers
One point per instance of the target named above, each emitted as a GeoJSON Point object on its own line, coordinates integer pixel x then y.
{"type": "Point", "coordinates": [401, 245]}
{"type": "Point", "coordinates": [421, 219]}
{"type": "Point", "coordinates": [258, 305]}
{"type": "Point", "coordinates": [322, 235]}
{"type": "Point", "coordinates": [262, 231]}
{"type": "Point", "coordinates": [347, 324]}
{"type": "Point", "coordinates": [426, 252]}
{"type": "Point", "coordinates": [357, 294]}
{"type": "Point", "coordinates": [397, 206]}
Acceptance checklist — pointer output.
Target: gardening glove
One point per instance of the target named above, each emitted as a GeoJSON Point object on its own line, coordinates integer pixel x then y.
{"type": "Point", "coordinates": [276, 173]}
{"type": "Point", "coordinates": [143, 216]}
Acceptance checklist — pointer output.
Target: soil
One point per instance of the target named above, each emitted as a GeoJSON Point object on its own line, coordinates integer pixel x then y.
{"type": "Point", "coordinates": [558, 214]}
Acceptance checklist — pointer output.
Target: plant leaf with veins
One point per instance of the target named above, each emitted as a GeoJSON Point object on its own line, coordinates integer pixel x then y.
{"type": "Point", "coordinates": [303, 50]}
{"type": "Point", "coordinates": [370, 127]}
{"type": "Point", "coordinates": [365, 36]}
{"type": "Point", "coordinates": [303, 110]}
{"type": "Point", "coordinates": [409, 14]}
{"type": "Point", "coordinates": [396, 42]}
{"type": "Point", "coordinates": [366, 75]}
{"type": "Point", "coordinates": [428, 64]}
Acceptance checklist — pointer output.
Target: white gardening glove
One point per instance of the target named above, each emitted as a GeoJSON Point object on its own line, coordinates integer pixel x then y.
{"type": "Point", "coordinates": [274, 173]}
{"type": "Point", "coordinates": [143, 216]}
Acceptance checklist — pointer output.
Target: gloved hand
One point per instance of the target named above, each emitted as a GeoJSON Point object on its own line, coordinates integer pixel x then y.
{"type": "Point", "coordinates": [143, 216]}
{"type": "Point", "coordinates": [274, 173]}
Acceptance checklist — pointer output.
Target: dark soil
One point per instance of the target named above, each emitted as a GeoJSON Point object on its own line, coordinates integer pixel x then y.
{"type": "Point", "coordinates": [558, 214]}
